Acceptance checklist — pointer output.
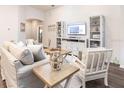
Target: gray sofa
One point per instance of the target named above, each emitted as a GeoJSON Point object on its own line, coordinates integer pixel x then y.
{"type": "Point", "coordinates": [17, 74]}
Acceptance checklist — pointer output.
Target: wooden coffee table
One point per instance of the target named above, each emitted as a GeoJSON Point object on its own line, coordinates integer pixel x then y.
{"type": "Point", "coordinates": [52, 78]}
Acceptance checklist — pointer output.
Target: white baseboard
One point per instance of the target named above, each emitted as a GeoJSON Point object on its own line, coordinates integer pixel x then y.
{"type": "Point", "coordinates": [121, 66]}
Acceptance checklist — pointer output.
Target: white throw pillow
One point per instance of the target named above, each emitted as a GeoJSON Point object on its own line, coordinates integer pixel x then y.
{"type": "Point", "coordinates": [30, 42]}
{"type": "Point", "coordinates": [21, 53]}
{"type": "Point", "coordinates": [37, 51]}
{"type": "Point", "coordinates": [21, 44]}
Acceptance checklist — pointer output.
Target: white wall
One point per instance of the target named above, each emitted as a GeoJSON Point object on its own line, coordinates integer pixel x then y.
{"type": "Point", "coordinates": [32, 13]}
{"type": "Point", "coordinates": [120, 41]}
{"type": "Point", "coordinates": [10, 18]}
{"type": "Point", "coordinates": [113, 23]}
{"type": "Point", "coordinates": [8, 23]}
{"type": "Point", "coordinates": [22, 16]}
{"type": "Point", "coordinates": [25, 13]}
{"type": "Point", "coordinates": [32, 28]}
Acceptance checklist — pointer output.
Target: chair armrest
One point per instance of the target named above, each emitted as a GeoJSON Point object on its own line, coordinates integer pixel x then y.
{"type": "Point", "coordinates": [81, 63]}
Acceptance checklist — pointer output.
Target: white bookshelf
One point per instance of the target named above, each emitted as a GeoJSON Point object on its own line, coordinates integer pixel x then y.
{"type": "Point", "coordinates": [60, 33]}
{"type": "Point", "coordinates": [97, 32]}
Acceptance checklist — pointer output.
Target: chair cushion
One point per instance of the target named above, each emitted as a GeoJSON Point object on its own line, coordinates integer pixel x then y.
{"type": "Point", "coordinates": [94, 69]}
{"type": "Point", "coordinates": [22, 53]}
{"type": "Point", "coordinates": [38, 52]}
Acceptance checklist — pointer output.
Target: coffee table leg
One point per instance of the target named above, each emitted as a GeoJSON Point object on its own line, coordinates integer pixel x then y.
{"type": "Point", "coordinates": [67, 83]}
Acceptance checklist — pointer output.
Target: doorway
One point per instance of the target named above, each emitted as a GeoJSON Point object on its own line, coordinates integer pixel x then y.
{"type": "Point", "coordinates": [34, 29]}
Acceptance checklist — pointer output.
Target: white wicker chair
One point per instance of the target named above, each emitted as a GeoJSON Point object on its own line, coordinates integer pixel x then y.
{"type": "Point", "coordinates": [95, 65]}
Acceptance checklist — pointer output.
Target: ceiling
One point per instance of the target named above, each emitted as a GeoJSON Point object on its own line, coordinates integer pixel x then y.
{"type": "Point", "coordinates": [45, 7]}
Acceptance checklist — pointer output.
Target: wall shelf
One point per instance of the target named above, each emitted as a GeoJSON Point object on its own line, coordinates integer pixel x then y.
{"type": "Point", "coordinates": [95, 40]}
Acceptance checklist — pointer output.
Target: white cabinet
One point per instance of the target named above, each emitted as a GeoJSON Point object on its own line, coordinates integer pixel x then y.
{"type": "Point", "coordinates": [75, 45]}
{"type": "Point", "coordinates": [97, 31]}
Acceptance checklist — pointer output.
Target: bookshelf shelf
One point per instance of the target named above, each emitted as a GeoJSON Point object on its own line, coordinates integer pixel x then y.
{"type": "Point", "coordinates": [60, 33]}
{"type": "Point", "coordinates": [97, 31]}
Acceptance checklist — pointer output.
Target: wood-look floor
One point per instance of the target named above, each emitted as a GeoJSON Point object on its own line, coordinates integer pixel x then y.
{"type": "Point", "coordinates": [115, 78]}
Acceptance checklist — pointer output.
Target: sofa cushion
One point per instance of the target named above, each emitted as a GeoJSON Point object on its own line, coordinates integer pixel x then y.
{"type": "Point", "coordinates": [38, 52]}
{"type": "Point", "coordinates": [21, 53]}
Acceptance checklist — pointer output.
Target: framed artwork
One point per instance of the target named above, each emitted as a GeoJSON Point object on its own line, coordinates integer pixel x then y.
{"type": "Point", "coordinates": [22, 27]}
{"type": "Point", "coordinates": [52, 27]}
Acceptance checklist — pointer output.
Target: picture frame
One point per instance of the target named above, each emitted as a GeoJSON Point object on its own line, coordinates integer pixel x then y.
{"type": "Point", "coordinates": [22, 27]}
